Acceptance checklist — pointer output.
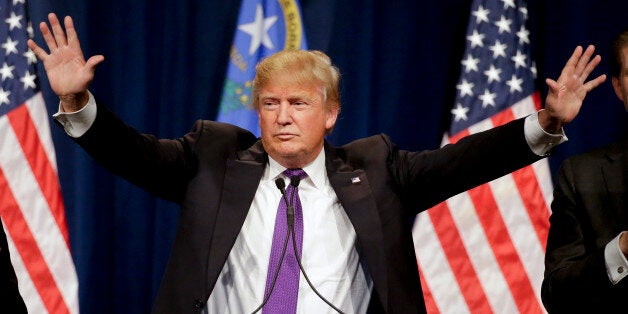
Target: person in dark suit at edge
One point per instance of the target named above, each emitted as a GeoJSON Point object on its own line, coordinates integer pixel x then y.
{"type": "Point", "coordinates": [587, 246]}
{"type": "Point", "coordinates": [10, 299]}
{"type": "Point", "coordinates": [356, 199]}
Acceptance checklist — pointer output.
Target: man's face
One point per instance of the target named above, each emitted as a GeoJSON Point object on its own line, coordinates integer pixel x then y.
{"type": "Point", "coordinates": [293, 119]}
{"type": "Point", "coordinates": [620, 84]}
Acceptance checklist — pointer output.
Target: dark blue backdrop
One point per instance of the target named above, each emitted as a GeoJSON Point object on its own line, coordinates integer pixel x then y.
{"type": "Point", "coordinates": [163, 69]}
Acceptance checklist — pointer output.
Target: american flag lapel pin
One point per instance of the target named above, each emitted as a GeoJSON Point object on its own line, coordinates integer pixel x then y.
{"type": "Point", "coordinates": [355, 180]}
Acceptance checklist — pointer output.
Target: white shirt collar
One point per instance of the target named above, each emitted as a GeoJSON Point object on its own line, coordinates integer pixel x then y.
{"type": "Point", "coordinates": [316, 171]}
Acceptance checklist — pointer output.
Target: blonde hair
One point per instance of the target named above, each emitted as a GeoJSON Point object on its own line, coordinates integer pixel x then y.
{"type": "Point", "coordinates": [304, 67]}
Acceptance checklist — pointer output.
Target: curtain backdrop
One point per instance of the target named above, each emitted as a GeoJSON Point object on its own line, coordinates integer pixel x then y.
{"type": "Point", "coordinates": [164, 67]}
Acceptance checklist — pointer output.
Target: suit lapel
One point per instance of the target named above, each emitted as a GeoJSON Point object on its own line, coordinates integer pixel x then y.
{"type": "Point", "coordinates": [354, 192]}
{"type": "Point", "coordinates": [242, 176]}
{"type": "Point", "coordinates": [613, 169]}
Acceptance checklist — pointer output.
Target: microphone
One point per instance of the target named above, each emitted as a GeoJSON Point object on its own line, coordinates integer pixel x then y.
{"type": "Point", "coordinates": [281, 185]}
{"type": "Point", "coordinates": [294, 182]}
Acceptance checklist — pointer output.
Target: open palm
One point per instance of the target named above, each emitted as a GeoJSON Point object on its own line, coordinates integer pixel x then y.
{"type": "Point", "coordinates": [68, 72]}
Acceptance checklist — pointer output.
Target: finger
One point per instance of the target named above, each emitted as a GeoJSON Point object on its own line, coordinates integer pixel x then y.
{"type": "Point", "coordinates": [94, 61]}
{"type": "Point", "coordinates": [45, 32]}
{"type": "Point", "coordinates": [70, 32]}
{"type": "Point", "coordinates": [39, 52]}
{"type": "Point", "coordinates": [590, 85]}
{"type": "Point", "coordinates": [553, 85]}
{"type": "Point", "coordinates": [572, 61]}
{"type": "Point", "coordinates": [590, 67]}
{"type": "Point", "coordinates": [575, 56]}
{"type": "Point", "coordinates": [584, 60]}
{"type": "Point", "coordinates": [57, 31]}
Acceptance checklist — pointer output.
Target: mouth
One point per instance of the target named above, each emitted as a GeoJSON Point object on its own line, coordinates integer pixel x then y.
{"type": "Point", "coordinates": [285, 136]}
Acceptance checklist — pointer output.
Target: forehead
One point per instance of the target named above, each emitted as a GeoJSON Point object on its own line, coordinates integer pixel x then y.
{"type": "Point", "coordinates": [284, 84]}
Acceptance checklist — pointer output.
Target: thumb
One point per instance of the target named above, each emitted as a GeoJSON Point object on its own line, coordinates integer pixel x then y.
{"type": "Point", "coordinates": [553, 85]}
{"type": "Point", "coordinates": [94, 61]}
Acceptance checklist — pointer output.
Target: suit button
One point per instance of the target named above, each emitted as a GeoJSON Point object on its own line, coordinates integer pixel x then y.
{"type": "Point", "coordinates": [620, 269]}
{"type": "Point", "coordinates": [198, 304]}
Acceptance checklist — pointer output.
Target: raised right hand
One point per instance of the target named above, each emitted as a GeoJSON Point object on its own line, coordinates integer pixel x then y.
{"type": "Point", "coordinates": [67, 71]}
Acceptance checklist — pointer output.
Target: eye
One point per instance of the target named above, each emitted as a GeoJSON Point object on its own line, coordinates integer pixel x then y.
{"type": "Point", "coordinates": [269, 105]}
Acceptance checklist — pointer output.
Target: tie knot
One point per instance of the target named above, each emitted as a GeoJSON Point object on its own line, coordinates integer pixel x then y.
{"type": "Point", "coordinates": [295, 172]}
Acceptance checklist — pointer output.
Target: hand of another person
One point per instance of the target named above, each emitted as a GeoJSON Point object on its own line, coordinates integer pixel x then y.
{"type": "Point", "coordinates": [67, 71]}
{"type": "Point", "coordinates": [566, 95]}
{"type": "Point", "coordinates": [623, 243]}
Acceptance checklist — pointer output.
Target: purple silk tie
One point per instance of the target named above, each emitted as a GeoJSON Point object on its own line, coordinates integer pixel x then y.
{"type": "Point", "coordinates": [283, 298]}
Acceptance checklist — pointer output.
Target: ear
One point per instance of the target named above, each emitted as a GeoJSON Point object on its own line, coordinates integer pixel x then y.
{"type": "Point", "coordinates": [617, 88]}
{"type": "Point", "coordinates": [331, 116]}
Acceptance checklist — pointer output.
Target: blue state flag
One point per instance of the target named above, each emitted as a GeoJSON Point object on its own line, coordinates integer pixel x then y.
{"type": "Point", "coordinates": [264, 27]}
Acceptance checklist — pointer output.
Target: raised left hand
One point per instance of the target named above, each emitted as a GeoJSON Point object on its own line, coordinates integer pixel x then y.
{"type": "Point", "coordinates": [566, 95]}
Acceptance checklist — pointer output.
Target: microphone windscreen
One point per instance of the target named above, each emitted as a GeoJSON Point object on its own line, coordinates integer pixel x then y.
{"type": "Point", "coordinates": [295, 180]}
{"type": "Point", "coordinates": [280, 183]}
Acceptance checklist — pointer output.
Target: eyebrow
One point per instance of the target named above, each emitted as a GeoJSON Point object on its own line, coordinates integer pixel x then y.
{"type": "Point", "coordinates": [296, 96]}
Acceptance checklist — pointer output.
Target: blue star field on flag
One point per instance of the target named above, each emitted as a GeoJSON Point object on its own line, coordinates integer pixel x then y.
{"type": "Point", "coordinates": [264, 27]}
{"type": "Point", "coordinates": [17, 67]}
{"type": "Point", "coordinates": [497, 70]}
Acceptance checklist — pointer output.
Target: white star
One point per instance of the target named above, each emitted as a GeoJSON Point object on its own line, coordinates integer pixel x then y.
{"type": "Point", "coordinates": [503, 24]}
{"type": "Point", "coordinates": [30, 56]}
{"type": "Point", "coordinates": [14, 21]}
{"type": "Point", "coordinates": [498, 49]}
{"type": "Point", "coordinates": [508, 3]}
{"type": "Point", "coordinates": [28, 80]}
{"type": "Point", "coordinates": [470, 64]}
{"type": "Point", "coordinates": [17, 1]}
{"type": "Point", "coordinates": [4, 96]}
{"type": "Point", "coordinates": [533, 69]}
{"type": "Point", "coordinates": [29, 30]}
{"type": "Point", "coordinates": [465, 88]}
{"type": "Point", "coordinates": [487, 99]}
{"type": "Point", "coordinates": [519, 59]}
{"type": "Point", "coordinates": [460, 113]}
{"type": "Point", "coordinates": [515, 84]}
{"type": "Point", "coordinates": [524, 11]}
{"type": "Point", "coordinates": [481, 14]}
{"type": "Point", "coordinates": [476, 39]}
{"type": "Point", "coordinates": [258, 30]}
{"type": "Point", "coordinates": [523, 35]}
{"type": "Point", "coordinates": [6, 71]}
{"type": "Point", "coordinates": [10, 46]}
{"type": "Point", "coordinates": [492, 74]}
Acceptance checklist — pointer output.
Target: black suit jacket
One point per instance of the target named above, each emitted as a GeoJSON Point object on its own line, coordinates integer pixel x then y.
{"type": "Point", "coordinates": [214, 171]}
{"type": "Point", "coordinates": [588, 211]}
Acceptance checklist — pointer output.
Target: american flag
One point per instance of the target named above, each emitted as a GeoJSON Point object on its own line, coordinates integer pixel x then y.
{"type": "Point", "coordinates": [31, 206]}
{"type": "Point", "coordinates": [264, 27]}
{"type": "Point", "coordinates": [482, 251]}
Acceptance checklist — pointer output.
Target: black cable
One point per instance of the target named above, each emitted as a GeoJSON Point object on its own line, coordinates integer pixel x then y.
{"type": "Point", "coordinates": [283, 252]}
{"type": "Point", "coordinates": [296, 255]}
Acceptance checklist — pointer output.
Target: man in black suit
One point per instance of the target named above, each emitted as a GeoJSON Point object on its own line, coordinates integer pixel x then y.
{"type": "Point", "coordinates": [10, 299]}
{"type": "Point", "coordinates": [587, 246]}
{"type": "Point", "coordinates": [357, 199]}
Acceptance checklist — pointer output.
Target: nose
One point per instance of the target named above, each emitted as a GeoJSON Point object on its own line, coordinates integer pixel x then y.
{"type": "Point", "coordinates": [284, 114]}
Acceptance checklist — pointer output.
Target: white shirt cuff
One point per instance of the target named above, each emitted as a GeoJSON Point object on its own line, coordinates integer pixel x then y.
{"type": "Point", "coordinates": [616, 263]}
{"type": "Point", "coordinates": [541, 142]}
{"type": "Point", "coordinates": [77, 123]}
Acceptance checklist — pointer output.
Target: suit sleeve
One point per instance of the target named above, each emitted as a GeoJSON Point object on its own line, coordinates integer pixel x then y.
{"type": "Point", "coordinates": [476, 159]}
{"type": "Point", "coordinates": [163, 167]}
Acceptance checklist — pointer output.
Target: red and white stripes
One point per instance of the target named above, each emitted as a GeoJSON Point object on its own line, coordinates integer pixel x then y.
{"type": "Point", "coordinates": [32, 211]}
